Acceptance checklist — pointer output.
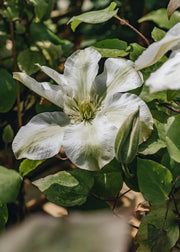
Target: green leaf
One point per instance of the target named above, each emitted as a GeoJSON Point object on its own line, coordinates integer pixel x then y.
{"type": "Point", "coordinates": [51, 52]}
{"type": "Point", "coordinates": [111, 48]}
{"type": "Point", "coordinates": [11, 12]}
{"type": "Point", "coordinates": [158, 34]}
{"type": "Point", "coordinates": [148, 70]}
{"type": "Point", "coordinates": [94, 17]}
{"type": "Point", "coordinates": [158, 239]}
{"type": "Point", "coordinates": [135, 51]}
{"type": "Point", "coordinates": [27, 60]}
{"type": "Point", "coordinates": [155, 181]}
{"type": "Point", "coordinates": [3, 215]}
{"type": "Point", "coordinates": [108, 181]}
{"type": "Point", "coordinates": [42, 8]}
{"type": "Point", "coordinates": [8, 91]}
{"type": "Point", "coordinates": [152, 145]}
{"type": "Point", "coordinates": [161, 122]}
{"type": "Point", "coordinates": [40, 32]}
{"type": "Point", "coordinates": [155, 218]}
{"type": "Point", "coordinates": [127, 139]}
{"type": "Point", "coordinates": [173, 166]}
{"type": "Point", "coordinates": [172, 138]}
{"type": "Point", "coordinates": [10, 183]}
{"type": "Point", "coordinates": [172, 6]}
{"type": "Point", "coordinates": [67, 188]}
{"type": "Point", "coordinates": [132, 180]}
{"type": "Point", "coordinates": [161, 19]}
{"type": "Point", "coordinates": [8, 134]}
{"type": "Point", "coordinates": [147, 97]}
{"type": "Point", "coordinates": [28, 166]}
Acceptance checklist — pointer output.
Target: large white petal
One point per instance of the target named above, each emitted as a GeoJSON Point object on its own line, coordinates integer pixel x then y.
{"type": "Point", "coordinates": [156, 50]}
{"type": "Point", "coordinates": [90, 145]}
{"type": "Point", "coordinates": [42, 137]}
{"type": "Point", "coordinates": [167, 76]}
{"type": "Point", "coordinates": [57, 77]}
{"type": "Point", "coordinates": [80, 71]}
{"type": "Point", "coordinates": [53, 93]}
{"type": "Point", "coordinates": [119, 106]}
{"type": "Point", "coordinates": [119, 76]}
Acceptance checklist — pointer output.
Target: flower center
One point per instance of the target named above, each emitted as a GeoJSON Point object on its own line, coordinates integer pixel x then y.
{"type": "Point", "coordinates": [86, 111]}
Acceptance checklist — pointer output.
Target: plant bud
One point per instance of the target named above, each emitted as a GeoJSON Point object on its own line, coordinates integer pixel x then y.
{"type": "Point", "coordinates": [127, 139]}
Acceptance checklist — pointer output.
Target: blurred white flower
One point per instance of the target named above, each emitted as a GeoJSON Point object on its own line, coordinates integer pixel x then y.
{"type": "Point", "coordinates": [167, 76]}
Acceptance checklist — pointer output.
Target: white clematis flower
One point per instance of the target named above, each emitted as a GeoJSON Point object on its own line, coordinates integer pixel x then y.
{"type": "Point", "coordinates": [167, 76]}
{"type": "Point", "coordinates": [94, 108]}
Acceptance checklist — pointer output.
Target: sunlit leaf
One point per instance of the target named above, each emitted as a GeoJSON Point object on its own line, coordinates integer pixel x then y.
{"type": "Point", "coordinates": [94, 17]}
{"type": "Point", "coordinates": [158, 34]}
{"type": "Point", "coordinates": [135, 51]}
{"type": "Point", "coordinates": [28, 166]}
{"type": "Point", "coordinates": [152, 145]}
{"type": "Point", "coordinates": [67, 188]}
{"type": "Point", "coordinates": [161, 19]}
{"type": "Point", "coordinates": [172, 139]}
{"type": "Point", "coordinates": [155, 181]}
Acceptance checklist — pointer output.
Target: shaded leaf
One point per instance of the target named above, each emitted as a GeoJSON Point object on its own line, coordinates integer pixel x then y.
{"type": "Point", "coordinates": [3, 215]}
{"type": "Point", "coordinates": [155, 181]}
{"type": "Point", "coordinates": [67, 188]}
{"type": "Point", "coordinates": [10, 183]}
{"type": "Point", "coordinates": [172, 138]}
{"type": "Point", "coordinates": [172, 6]}
{"type": "Point", "coordinates": [28, 166]}
{"type": "Point", "coordinates": [8, 91]}
{"type": "Point", "coordinates": [161, 19]}
{"type": "Point", "coordinates": [158, 239]}
{"type": "Point", "coordinates": [40, 32]}
{"type": "Point", "coordinates": [27, 60]}
{"type": "Point", "coordinates": [156, 218]}
{"type": "Point", "coordinates": [94, 17]}
{"type": "Point", "coordinates": [51, 52]}
{"type": "Point", "coordinates": [173, 166]}
{"type": "Point", "coordinates": [11, 11]}
{"type": "Point", "coordinates": [108, 181]}
{"type": "Point", "coordinates": [8, 134]}
{"type": "Point", "coordinates": [42, 8]}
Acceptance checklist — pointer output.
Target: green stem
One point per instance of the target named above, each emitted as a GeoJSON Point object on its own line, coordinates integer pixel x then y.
{"type": "Point", "coordinates": [133, 28]}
